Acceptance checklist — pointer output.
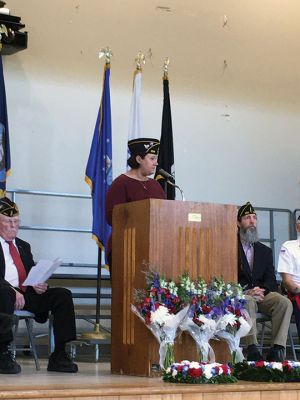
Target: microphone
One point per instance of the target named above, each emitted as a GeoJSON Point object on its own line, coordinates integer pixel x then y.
{"type": "Point", "coordinates": [165, 174]}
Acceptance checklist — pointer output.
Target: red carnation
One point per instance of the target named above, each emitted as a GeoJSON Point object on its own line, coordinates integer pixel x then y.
{"type": "Point", "coordinates": [206, 309]}
{"type": "Point", "coordinates": [195, 372]}
{"type": "Point", "coordinates": [259, 364]}
{"type": "Point", "coordinates": [287, 364]}
{"type": "Point", "coordinates": [225, 369]}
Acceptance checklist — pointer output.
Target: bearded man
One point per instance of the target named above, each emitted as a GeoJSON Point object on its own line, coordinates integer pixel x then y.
{"type": "Point", "coordinates": [256, 274]}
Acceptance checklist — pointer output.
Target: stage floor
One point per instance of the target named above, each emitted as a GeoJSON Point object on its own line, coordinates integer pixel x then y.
{"type": "Point", "coordinates": [94, 381]}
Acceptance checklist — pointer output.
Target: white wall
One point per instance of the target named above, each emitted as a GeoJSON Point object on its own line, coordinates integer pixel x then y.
{"type": "Point", "coordinates": [235, 127]}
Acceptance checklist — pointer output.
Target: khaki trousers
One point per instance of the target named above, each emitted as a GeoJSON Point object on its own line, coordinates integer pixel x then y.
{"type": "Point", "coordinates": [279, 309]}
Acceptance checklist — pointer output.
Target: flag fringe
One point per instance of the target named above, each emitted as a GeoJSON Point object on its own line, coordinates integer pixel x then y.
{"type": "Point", "coordinates": [89, 182]}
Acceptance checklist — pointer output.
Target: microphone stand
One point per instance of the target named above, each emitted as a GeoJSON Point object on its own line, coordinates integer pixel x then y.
{"type": "Point", "coordinates": [177, 187]}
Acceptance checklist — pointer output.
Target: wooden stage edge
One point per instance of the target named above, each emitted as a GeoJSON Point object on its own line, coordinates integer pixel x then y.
{"type": "Point", "coordinates": [94, 381]}
{"type": "Point", "coordinates": [238, 391]}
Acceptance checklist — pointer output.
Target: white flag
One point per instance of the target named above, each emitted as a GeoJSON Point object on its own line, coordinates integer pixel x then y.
{"type": "Point", "coordinates": [135, 123]}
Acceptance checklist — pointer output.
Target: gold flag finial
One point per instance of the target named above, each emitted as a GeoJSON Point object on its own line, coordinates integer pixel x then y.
{"type": "Point", "coordinates": [166, 67]}
{"type": "Point", "coordinates": [107, 53]}
{"type": "Point", "coordinates": [140, 60]}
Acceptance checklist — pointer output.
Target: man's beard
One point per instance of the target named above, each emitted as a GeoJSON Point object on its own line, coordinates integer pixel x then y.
{"type": "Point", "coordinates": [249, 235]}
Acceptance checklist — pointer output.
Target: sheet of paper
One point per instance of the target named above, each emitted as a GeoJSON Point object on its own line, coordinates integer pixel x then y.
{"type": "Point", "coordinates": [41, 272]}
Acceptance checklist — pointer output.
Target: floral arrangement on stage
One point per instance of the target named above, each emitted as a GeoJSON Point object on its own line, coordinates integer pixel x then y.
{"type": "Point", "coordinates": [264, 371]}
{"type": "Point", "coordinates": [162, 309]}
{"type": "Point", "coordinates": [234, 322]}
{"type": "Point", "coordinates": [206, 311]}
{"type": "Point", "coordinates": [217, 311]}
{"type": "Point", "coordinates": [200, 320]}
{"type": "Point", "coordinates": [194, 372]}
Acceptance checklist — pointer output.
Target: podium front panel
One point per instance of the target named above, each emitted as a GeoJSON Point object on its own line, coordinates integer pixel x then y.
{"type": "Point", "coordinates": [172, 237]}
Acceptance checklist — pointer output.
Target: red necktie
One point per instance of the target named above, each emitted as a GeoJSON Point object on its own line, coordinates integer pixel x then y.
{"type": "Point", "coordinates": [19, 264]}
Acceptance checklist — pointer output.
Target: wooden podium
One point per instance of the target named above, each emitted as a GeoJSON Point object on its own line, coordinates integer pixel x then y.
{"type": "Point", "coordinates": [174, 237]}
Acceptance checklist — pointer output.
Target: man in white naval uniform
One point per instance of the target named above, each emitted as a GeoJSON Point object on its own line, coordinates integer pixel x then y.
{"type": "Point", "coordinates": [289, 269]}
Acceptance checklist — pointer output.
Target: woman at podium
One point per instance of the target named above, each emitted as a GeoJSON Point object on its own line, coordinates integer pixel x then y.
{"type": "Point", "coordinates": [135, 184]}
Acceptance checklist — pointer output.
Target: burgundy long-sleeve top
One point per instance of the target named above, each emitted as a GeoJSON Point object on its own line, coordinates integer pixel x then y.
{"type": "Point", "coordinates": [125, 189]}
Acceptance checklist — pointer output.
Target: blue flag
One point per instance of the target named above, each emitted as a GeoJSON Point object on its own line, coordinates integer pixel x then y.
{"type": "Point", "coordinates": [99, 166]}
{"type": "Point", "coordinates": [4, 136]}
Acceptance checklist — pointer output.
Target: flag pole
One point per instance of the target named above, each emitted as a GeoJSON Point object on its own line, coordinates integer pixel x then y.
{"type": "Point", "coordinates": [166, 149]}
{"type": "Point", "coordinates": [99, 333]}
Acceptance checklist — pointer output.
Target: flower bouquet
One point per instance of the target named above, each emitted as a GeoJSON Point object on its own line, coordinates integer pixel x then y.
{"type": "Point", "coordinates": [162, 310]}
{"type": "Point", "coordinates": [200, 320]}
{"type": "Point", "coordinates": [234, 322]}
{"type": "Point", "coordinates": [264, 371]}
{"type": "Point", "coordinates": [194, 372]}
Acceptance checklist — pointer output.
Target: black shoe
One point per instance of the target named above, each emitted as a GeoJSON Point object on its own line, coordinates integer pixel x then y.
{"type": "Point", "coordinates": [5, 323]}
{"type": "Point", "coordinates": [61, 362]}
{"type": "Point", "coordinates": [8, 365]}
{"type": "Point", "coordinates": [275, 354]}
{"type": "Point", "coordinates": [253, 353]}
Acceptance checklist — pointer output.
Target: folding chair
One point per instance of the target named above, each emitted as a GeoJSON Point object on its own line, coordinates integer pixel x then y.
{"type": "Point", "coordinates": [263, 319]}
{"type": "Point", "coordinates": [28, 317]}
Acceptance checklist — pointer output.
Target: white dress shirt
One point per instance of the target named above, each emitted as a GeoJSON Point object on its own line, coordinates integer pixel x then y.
{"type": "Point", "coordinates": [289, 259]}
{"type": "Point", "coordinates": [11, 272]}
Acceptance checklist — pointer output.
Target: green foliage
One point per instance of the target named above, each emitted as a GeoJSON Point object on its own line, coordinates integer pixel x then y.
{"type": "Point", "coordinates": [244, 371]}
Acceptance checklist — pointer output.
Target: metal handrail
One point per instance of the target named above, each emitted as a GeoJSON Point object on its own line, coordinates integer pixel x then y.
{"type": "Point", "coordinates": [15, 192]}
{"type": "Point", "coordinates": [55, 229]}
{"type": "Point", "coordinates": [271, 239]}
{"type": "Point", "coordinates": [46, 193]}
{"type": "Point", "coordinates": [271, 211]}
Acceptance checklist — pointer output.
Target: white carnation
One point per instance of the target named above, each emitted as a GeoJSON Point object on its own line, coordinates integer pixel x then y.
{"type": "Point", "coordinates": [194, 364]}
{"type": "Point", "coordinates": [227, 319]}
{"type": "Point", "coordinates": [207, 323]}
{"type": "Point", "coordinates": [160, 315]}
{"type": "Point", "coordinates": [277, 365]}
{"type": "Point", "coordinates": [207, 371]}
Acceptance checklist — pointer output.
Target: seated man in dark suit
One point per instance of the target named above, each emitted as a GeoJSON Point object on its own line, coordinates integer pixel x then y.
{"type": "Point", "coordinates": [256, 274]}
{"type": "Point", "coordinates": [5, 323]}
{"type": "Point", "coordinates": [15, 262]}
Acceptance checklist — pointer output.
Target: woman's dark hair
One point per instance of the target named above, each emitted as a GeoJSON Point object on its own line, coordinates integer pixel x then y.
{"type": "Point", "coordinates": [132, 161]}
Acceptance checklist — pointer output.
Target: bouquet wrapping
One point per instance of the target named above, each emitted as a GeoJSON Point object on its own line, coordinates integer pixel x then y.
{"type": "Point", "coordinates": [164, 327]}
{"type": "Point", "coordinates": [234, 321]}
{"type": "Point", "coordinates": [202, 329]}
{"type": "Point", "coordinates": [162, 308]}
{"type": "Point", "coordinates": [232, 328]}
